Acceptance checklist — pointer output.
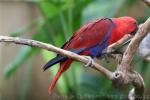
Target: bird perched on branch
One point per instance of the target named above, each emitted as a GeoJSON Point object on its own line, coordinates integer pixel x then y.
{"type": "Point", "coordinates": [91, 39]}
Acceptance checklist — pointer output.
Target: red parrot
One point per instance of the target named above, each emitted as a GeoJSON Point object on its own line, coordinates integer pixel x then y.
{"type": "Point", "coordinates": [91, 39]}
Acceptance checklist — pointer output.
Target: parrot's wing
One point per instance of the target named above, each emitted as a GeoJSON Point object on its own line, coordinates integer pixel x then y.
{"type": "Point", "coordinates": [86, 37]}
{"type": "Point", "coordinates": [90, 34]}
{"type": "Point", "coordinates": [61, 58]}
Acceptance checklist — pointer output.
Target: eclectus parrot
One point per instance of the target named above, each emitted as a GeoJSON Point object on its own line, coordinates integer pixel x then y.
{"type": "Point", "coordinates": [91, 39]}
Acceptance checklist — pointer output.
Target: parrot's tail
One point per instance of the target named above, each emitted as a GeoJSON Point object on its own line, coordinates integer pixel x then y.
{"type": "Point", "coordinates": [61, 58]}
{"type": "Point", "coordinates": [63, 67]}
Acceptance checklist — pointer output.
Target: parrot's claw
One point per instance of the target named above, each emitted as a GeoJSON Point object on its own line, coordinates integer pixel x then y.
{"type": "Point", "coordinates": [106, 57]}
{"type": "Point", "coordinates": [109, 50]}
{"type": "Point", "coordinates": [90, 63]}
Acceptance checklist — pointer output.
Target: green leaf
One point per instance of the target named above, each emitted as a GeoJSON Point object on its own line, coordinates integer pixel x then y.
{"type": "Point", "coordinates": [90, 83]}
{"type": "Point", "coordinates": [48, 8]}
{"type": "Point", "coordinates": [27, 79]}
{"type": "Point", "coordinates": [22, 55]}
{"type": "Point", "coordinates": [20, 31]}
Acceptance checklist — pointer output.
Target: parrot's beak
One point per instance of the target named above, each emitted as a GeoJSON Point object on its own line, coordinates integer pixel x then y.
{"type": "Point", "coordinates": [134, 32]}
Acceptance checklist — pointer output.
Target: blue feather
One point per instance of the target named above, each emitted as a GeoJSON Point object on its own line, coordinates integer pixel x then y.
{"type": "Point", "coordinates": [96, 50]}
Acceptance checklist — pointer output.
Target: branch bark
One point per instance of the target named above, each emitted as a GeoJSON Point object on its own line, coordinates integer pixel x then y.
{"type": "Point", "coordinates": [50, 47]}
{"type": "Point", "coordinates": [124, 75]}
{"type": "Point", "coordinates": [147, 2]}
{"type": "Point", "coordinates": [132, 47]}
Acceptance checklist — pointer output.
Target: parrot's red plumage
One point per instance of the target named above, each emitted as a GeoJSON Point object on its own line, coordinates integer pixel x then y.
{"type": "Point", "coordinates": [91, 39]}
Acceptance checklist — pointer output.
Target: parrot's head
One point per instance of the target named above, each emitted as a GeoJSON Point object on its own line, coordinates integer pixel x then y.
{"type": "Point", "coordinates": [126, 25]}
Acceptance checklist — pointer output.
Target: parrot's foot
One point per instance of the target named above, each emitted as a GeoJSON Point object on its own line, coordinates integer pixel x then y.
{"type": "Point", "coordinates": [106, 57]}
{"type": "Point", "coordinates": [109, 50]}
{"type": "Point", "coordinates": [90, 63]}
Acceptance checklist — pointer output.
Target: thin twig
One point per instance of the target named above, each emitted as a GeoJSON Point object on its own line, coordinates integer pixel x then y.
{"type": "Point", "coordinates": [117, 45]}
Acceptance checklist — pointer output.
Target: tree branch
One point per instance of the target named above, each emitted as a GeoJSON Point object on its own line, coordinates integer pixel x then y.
{"type": "Point", "coordinates": [147, 2]}
{"type": "Point", "coordinates": [124, 75]}
{"type": "Point", "coordinates": [50, 47]}
{"type": "Point", "coordinates": [132, 47]}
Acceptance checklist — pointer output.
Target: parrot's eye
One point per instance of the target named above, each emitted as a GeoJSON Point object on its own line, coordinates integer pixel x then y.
{"type": "Point", "coordinates": [134, 23]}
{"type": "Point", "coordinates": [134, 31]}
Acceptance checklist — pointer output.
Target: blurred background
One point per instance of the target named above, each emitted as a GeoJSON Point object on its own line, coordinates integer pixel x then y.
{"type": "Point", "coordinates": [54, 21]}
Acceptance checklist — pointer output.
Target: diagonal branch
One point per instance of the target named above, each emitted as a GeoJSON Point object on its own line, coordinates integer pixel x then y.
{"type": "Point", "coordinates": [132, 47]}
{"type": "Point", "coordinates": [50, 47]}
